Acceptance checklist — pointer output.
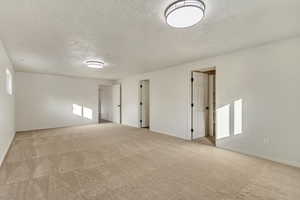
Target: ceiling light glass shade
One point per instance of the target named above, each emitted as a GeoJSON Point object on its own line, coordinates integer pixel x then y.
{"type": "Point", "coordinates": [185, 13]}
{"type": "Point", "coordinates": [94, 64]}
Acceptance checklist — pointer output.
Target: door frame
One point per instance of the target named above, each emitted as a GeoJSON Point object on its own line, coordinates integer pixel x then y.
{"type": "Point", "coordinates": [191, 103]}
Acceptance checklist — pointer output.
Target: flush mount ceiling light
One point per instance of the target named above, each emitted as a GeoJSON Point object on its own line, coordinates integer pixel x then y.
{"type": "Point", "coordinates": [94, 64]}
{"type": "Point", "coordinates": [185, 13]}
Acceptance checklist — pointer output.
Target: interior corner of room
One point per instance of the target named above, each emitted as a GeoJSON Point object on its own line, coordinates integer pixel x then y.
{"type": "Point", "coordinates": [7, 103]}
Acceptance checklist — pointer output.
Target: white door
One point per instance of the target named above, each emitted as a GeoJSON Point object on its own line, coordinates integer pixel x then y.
{"type": "Point", "coordinates": [144, 103]}
{"type": "Point", "coordinates": [200, 101]}
{"type": "Point", "coordinates": [116, 102]}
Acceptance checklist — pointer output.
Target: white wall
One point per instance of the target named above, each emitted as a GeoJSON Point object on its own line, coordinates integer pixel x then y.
{"type": "Point", "coordinates": [168, 101]}
{"type": "Point", "coordinates": [45, 101]}
{"type": "Point", "coordinates": [265, 77]}
{"type": "Point", "coordinates": [106, 102]}
{"type": "Point", "coordinates": [7, 110]}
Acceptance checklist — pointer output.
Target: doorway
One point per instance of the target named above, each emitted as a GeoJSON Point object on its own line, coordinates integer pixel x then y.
{"type": "Point", "coordinates": [203, 106]}
{"type": "Point", "coordinates": [105, 104]}
{"type": "Point", "coordinates": [116, 104]}
{"type": "Point", "coordinates": [144, 103]}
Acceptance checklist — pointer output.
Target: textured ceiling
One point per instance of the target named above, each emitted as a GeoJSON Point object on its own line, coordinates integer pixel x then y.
{"type": "Point", "coordinates": [131, 36]}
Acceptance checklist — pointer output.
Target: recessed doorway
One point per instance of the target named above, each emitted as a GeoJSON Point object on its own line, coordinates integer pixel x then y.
{"type": "Point", "coordinates": [105, 104]}
{"type": "Point", "coordinates": [144, 103]}
{"type": "Point", "coordinates": [203, 106]}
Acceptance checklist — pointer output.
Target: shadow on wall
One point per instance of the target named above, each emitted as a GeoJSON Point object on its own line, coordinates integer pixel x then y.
{"type": "Point", "coordinates": [223, 120]}
{"type": "Point", "coordinates": [82, 111]}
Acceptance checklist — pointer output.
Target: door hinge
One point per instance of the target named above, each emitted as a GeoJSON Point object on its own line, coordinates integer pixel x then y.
{"type": "Point", "coordinates": [192, 79]}
{"type": "Point", "coordinates": [192, 105]}
{"type": "Point", "coordinates": [141, 103]}
{"type": "Point", "coordinates": [192, 130]}
{"type": "Point", "coordinates": [141, 86]}
{"type": "Point", "coordinates": [141, 121]}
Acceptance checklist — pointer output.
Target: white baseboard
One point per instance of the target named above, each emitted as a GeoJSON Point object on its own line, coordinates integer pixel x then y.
{"type": "Point", "coordinates": [284, 162]}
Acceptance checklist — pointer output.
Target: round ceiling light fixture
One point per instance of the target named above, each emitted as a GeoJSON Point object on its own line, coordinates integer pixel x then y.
{"type": "Point", "coordinates": [94, 64]}
{"type": "Point", "coordinates": [185, 13]}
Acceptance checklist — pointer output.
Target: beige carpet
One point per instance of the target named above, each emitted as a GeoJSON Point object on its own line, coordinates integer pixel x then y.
{"type": "Point", "coordinates": [109, 161]}
{"type": "Point", "coordinates": [205, 140]}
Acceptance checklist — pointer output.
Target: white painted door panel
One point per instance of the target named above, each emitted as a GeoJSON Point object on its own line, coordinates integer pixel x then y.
{"type": "Point", "coordinates": [116, 101]}
{"type": "Point", "coordinates": [200, 100]}
{"type": "Point", "coordinates": [144, 103]}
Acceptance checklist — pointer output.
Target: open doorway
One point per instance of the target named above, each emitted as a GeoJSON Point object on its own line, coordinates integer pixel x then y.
{"type": "Point", "coordinates": [105, 104]}
{"type": "Point", "coordinates": [203, 106]}
{"type": "Point", "coordinates": [144, 103]}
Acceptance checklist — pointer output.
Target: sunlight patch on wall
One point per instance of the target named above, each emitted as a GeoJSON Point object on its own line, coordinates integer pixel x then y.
{"type": "Point", "coordinates": [223, 122]}
{"type": "Point", "coordinates": [238, 117]}
{"type": "Point", "coordinates": [9, 87]}
{"type": "Point", "coordinates": [77, 109]}
{"type": "Point", "coordinates": [87, 113]}
{"type": "Point", "coordinates": [82, 111]}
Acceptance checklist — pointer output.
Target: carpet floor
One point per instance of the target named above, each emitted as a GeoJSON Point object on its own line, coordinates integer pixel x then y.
{"type": "Point", "coordinates": [114, 162]}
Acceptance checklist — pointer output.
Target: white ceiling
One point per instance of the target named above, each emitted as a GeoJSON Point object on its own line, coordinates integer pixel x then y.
{"type": "Point", "coordinates": [131, 36]}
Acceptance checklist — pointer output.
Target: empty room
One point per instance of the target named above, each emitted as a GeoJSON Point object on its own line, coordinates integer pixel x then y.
{"type": "Point", "coordinates": [149, 100]}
